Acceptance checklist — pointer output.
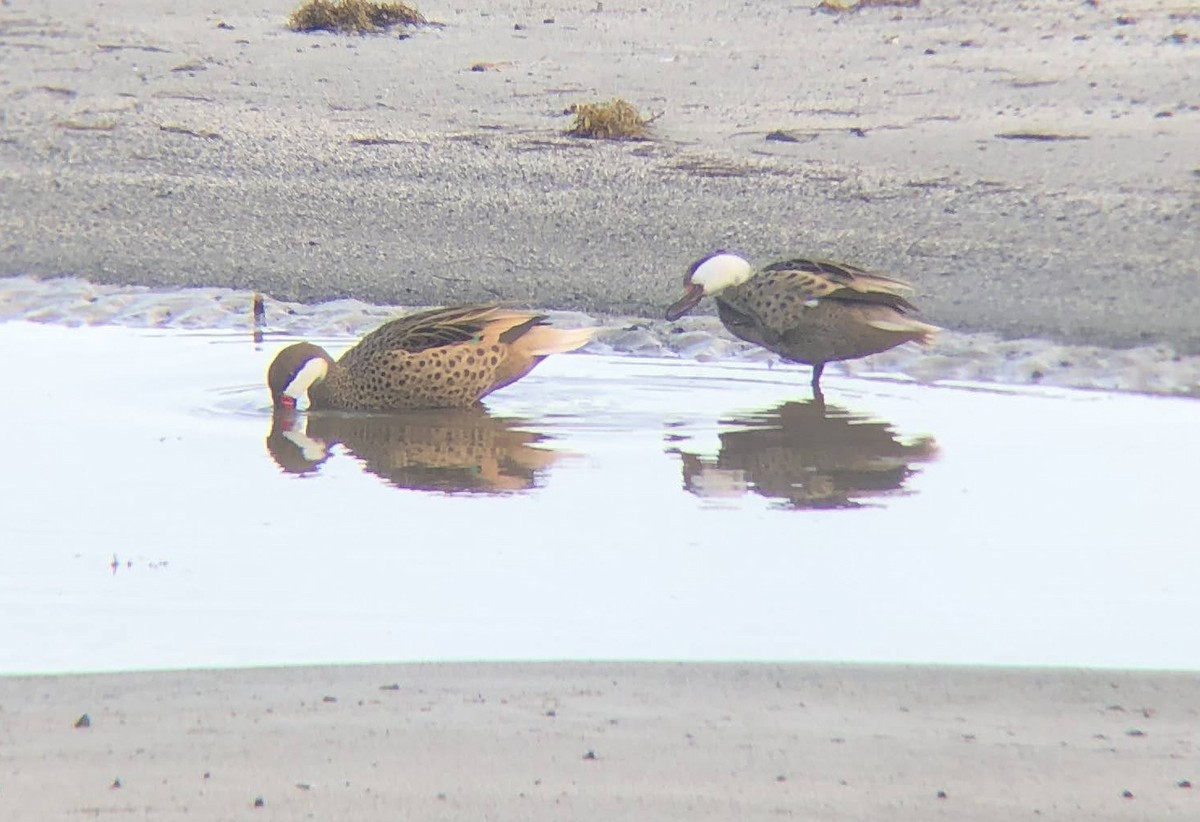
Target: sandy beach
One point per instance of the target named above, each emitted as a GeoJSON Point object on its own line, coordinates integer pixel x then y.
{"type": "Point", "coordinates": [602, 741]}
{"type": "Point", "coordinates": [1031, 170]}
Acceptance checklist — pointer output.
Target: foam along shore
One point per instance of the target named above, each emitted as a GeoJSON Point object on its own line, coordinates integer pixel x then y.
{"type": "Point", "coordinates": [603, 741]}
{"type": "Point", "coordinates": [1157, 369]}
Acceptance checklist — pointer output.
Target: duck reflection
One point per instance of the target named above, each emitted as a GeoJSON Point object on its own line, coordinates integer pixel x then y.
{"type": "Point", "coordinates": [808, 454]}
{"type": "Point", "coordinates": [449, 450]}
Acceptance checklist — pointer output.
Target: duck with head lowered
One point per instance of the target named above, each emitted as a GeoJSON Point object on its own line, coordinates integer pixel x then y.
{"type": "Point", "coordinates": [807, 311]}
{"type": "Point", "coordinates": [443, 358]}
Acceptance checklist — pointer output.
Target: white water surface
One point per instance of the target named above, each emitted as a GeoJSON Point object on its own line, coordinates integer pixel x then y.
{"type": "Point", "coordinates": [146, 525]}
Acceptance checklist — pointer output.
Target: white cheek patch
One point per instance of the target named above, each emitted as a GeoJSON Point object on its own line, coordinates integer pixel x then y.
{"type": "Point", "coordinates": [720, 272]}
{"type": "Point", "coordinates": [313, 372]}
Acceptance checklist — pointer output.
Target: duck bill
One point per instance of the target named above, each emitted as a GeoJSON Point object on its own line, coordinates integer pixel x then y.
{"type": "Point", "coordinates": [686, 303]}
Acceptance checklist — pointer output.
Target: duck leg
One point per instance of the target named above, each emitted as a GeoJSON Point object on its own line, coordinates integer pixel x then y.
{"type": "Point", "coordinates": [818, 394]}
{"type": "Point", "coordinates": [816, 379]}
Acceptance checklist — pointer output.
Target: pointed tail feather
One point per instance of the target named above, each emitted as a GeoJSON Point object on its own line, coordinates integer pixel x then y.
{"type": "Point", "coordinates": [532, 347]}
{"type": "Point", "coordinates": [543, 340]}
{"type": "Point", "coordinates": [920, 332]}
{"type": "Point", "coordinates": [507, 322]}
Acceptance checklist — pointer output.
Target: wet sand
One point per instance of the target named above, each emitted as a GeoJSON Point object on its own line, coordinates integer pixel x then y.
{"type": "Point", "coordinates": [145, 143]}
{"type": "Point", "coordinates": [603, 741]}
{"type": "Point", "coordinates": [954, 357]}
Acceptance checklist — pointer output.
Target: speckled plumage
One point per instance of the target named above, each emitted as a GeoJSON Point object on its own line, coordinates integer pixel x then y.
{"type": "Point", "coordinates": [444, 358]}
{"type": "Point", "coordinates": [814, 312]}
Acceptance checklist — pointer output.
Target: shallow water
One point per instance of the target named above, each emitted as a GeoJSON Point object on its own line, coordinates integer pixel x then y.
{"type": "Point", "coordinates": [156, 516]}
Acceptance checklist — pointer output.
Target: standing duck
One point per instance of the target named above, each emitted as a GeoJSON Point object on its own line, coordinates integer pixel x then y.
{"type": "Point", "coordinates": [807, 311]}
{"type": "Point", "coordinates": [444, 358]}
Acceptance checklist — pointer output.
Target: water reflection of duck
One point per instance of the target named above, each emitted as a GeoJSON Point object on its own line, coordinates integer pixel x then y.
{"type": "Point", "coordinates": [461, 449]}
{"type": "Point", "coordinates": [443, 358]}
{"type": "Point", "coordinates": [807, 311]}
{"type": "Point", "coordinates": [812, 455]}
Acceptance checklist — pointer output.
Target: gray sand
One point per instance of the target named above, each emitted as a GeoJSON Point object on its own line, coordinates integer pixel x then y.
{"type": "Point", "coordinates": [142, 142]}
{"type": "Point", "coordinates": [603, 741]}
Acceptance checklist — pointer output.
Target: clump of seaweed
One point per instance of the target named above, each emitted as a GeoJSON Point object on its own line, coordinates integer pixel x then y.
{"type": "Point", "coordinates": [358, 16]}
{"type": "Point", "coordinates": [840, 6]}
{"type": "Point", "coordinates": [616, 119]}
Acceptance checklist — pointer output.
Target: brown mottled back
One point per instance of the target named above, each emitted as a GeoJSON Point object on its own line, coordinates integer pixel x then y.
{"type": "Point", "coordinates": [430, 329]}
{"type": "Point", "coordinates": [814, 311]}
{"type": "Point", "coordinates": [777, 293]}
{"type": "Point", "coordinates": [446, 376]}
{"type": "Point", "coordinates": [443, 358]}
